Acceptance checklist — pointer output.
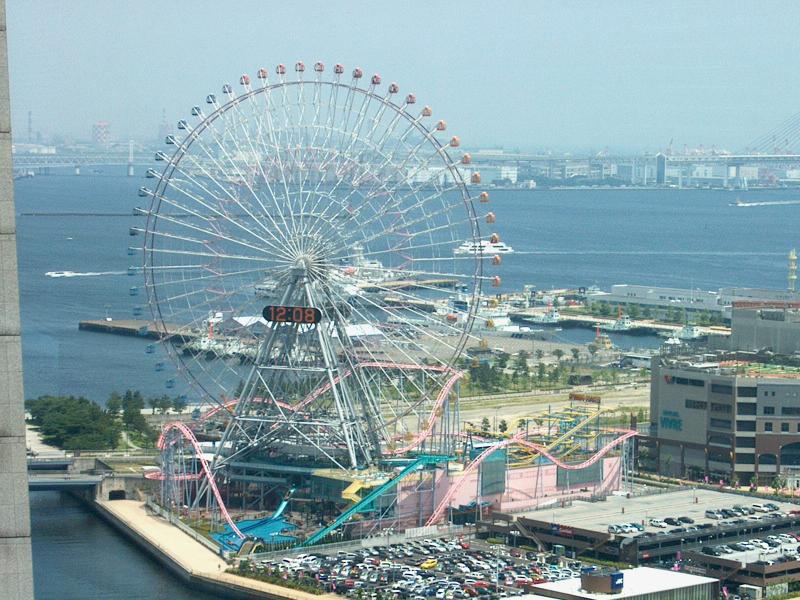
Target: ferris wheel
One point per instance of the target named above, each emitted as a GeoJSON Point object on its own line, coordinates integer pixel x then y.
{"type": "Point", "coordinates": [313, 260]}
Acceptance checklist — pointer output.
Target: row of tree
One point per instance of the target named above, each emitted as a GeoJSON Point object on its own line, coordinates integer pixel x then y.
{"type": "Point", "coordinates": [80, 424]}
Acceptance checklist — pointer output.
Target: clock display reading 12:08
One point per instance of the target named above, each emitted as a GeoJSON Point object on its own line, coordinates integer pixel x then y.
{"type": "Point", "coordinates": [306, 315]}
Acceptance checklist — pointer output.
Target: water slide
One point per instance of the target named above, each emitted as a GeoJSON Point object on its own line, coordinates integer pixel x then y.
{"type": "Point", "coordinates": [276, 515]}
{"type": "Point", "coordinates": [418, 463]}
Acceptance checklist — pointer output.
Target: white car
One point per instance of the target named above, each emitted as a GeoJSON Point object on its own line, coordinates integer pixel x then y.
{"type": "Point", "coordinates": [657, 523]}
{"type": "Point", "coordinates": [760, 508]}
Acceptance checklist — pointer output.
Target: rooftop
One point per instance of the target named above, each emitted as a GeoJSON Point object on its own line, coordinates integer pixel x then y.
{"type": "Point", "coordinates": [636, 582]}
{"type": "Point", "coordinates": [614, 510]}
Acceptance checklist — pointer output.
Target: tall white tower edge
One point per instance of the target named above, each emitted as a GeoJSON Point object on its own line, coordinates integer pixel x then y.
{"type": "Point", "coordinates": [16, 573]}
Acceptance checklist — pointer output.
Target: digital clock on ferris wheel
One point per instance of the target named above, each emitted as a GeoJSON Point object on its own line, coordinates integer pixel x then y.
{"type": "Point", "coordinates": [304, 315]}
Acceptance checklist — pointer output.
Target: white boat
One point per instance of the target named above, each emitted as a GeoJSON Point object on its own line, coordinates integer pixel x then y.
{"type": "Point", "coordinates": [483, 247]}
{"type": "Point", "coordinates": [551, 317]}
{"type": "Point", "coordinates": [60, 274]}
{"type": "Point", "coordinates": [690, 332]}
{"type": "Point", "coordinates": [623, 323]}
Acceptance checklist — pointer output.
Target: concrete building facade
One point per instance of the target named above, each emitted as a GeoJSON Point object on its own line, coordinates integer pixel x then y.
{"type": "Point", "coordinates": [711, 420]}
{"type": "Point", "coordinates": [16, 572]}
{"type": "Point", "coordinates": [773, 326]}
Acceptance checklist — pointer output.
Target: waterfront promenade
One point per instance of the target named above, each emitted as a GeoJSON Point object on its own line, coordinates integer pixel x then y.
{"type": "Point", "coordinates": [199, 566]}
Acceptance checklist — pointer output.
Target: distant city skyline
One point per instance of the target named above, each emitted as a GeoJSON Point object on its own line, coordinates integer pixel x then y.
{"type": "Point", "coordinates": [528, 75]}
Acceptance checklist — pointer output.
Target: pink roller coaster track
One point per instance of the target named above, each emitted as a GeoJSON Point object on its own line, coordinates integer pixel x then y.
{"type": "Point", "coordinates": [189, 436]}
{"type": "Point", "coordinates": [518, 439]}
{"type": "Point", "coordinates": [415, 442]}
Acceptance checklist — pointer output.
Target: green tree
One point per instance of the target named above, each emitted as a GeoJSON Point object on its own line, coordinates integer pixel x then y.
{"type": "Point", "coordinates": [779, 482]}
{"type": "Point", "coordinates": [633, 311]}
{"type": "Point", "coordinates": [74, 423]}
{"type": "Point", "coordinates": [605, 309]}
{"type": "Point", "coordinates": [502, 426]}
{"type": "Point", "coordinates": [559, 354]}
{"type": "Point", "coordinates": [647, 313]}
{"type": "Point", "coordinates": [576, 353]}
{"type": "Point", "coordinates": [539, 354]}
{"type": "Point", "coordinates": [179, 404]}
{"type": "Point", "coordinates": [592, 348]}
{"type": "Point", "coordinates": [522, 423]}
{"type": "Point", "coordinates": [485, 425]}
{"type": "Point", "coordinates": [114, 404]}
{"type": "Point", "coordinates": [501, 360]}
{"type": "Point", "coordinates": [540, 372]}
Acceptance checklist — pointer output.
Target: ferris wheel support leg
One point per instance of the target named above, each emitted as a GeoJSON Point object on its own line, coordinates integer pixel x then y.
{"type": "Point", "coordinates": [341, 399]}
{"type": "Point", "coordinates": [249, 390]}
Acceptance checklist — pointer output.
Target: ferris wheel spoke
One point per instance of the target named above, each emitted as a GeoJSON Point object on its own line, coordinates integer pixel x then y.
{"type": "Point", "coordinates": [212, 233]}
{"type": "Point", "coordinates": [271, 129]}
{"type": "Point", "coordinates": [238, 172]}
{"type": "Point", "coordinates": [274, 243]}
{"type": "Point", "coordinates": [219, 140]}
{"type": "Point", "coordinates": [257, 155]}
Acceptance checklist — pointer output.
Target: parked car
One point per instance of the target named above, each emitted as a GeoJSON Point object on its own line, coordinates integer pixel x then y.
{"type": "Point", "coordinates": [713, 514]}
{"type": "Point", "coordinates": [672, 521]}
{"type": "Point", "coordinates": [657, 523]}
{"type": "Point", "coordinates": [710, 551]}
{"type": "Point", "coordinates": [686, 520]}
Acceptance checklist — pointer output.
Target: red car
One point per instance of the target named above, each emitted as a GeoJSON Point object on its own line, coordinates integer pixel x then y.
{"type": "Point", "coordinates": [464, 545]}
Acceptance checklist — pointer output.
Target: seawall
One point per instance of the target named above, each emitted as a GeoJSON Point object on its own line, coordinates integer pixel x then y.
{"type": "Point", "coordinates": [186, 559]}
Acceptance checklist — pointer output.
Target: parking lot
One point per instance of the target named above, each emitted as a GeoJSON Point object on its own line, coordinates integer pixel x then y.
{"type": "Point", "coordinates": [445, 568]}
{"type": "Point", "coordinates": [640, 511]}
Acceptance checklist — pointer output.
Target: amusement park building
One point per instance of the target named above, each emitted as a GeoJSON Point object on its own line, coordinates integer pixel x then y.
{"type": "Point", "coordinates": [714, 419]}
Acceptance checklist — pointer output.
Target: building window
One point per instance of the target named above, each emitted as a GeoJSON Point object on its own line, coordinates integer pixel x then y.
{"type": "Point", "coordinates": [720, 423]}
{"type": "Point", "coordinates": [747, 392]}
{"type": "Point", "coordinates": [784, 428]}
{"type": "Point", "coordinates": [745, 442]}
{"type": "Point", "coordinates": [722, 388]}
{"type": "Point", "coordinates": [745, 425]}
{"type": "Point", "coordinates": [767, 426]}
{"type": "Point", "coordinates": [721, 408]}
{"type": "Point", "coordinates": [769, 410]}
{"type": "Point", "coordinates": [745, 459]}
{"type": "Point", "coordinates": [696, 404]}
{"type": "Point", "coordinates": [790, 410]}
{"type": "Point", "coordinates": [746, 408]}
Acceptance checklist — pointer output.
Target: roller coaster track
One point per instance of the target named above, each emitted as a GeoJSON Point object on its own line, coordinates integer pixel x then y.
{"type": "Point", "coordinates": [542, 450]}
{"type": "Point", "coordinates": [414, 443]}
{"type": "Point", "coordinates": [189, 436]}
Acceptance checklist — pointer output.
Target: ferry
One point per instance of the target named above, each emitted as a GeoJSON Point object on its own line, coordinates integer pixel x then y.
{"type": "Point", "coordinates": [483, 247]}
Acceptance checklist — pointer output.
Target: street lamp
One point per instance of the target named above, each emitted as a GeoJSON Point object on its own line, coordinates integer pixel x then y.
{"type": "Point", "coordinates": [514, 534]}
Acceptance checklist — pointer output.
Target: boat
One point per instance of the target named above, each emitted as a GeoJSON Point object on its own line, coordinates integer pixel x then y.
{"type": "Point", "coordinates": [551, 317]}
{"type": "Point", "coordinates": [623, 323]}
{"type": "Point", "coordinates": [483, 247]}
{"type": "Point", "coordinates": [690, 332]}
{"type": "Point", "coordinates": [267, 289]}
{"type": "Point", "coordinates": [60, 274]}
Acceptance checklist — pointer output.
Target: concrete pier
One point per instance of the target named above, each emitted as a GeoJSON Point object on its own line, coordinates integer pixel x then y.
{"type": "Point", "coordinates": [186, 558]}
{"type": "Point", "coordinates": [16, 572]}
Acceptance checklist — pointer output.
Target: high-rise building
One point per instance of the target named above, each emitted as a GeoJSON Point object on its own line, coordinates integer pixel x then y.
{"type": "Point", "coordinates": [16, 573]}
{"type": "Point", "coordinates": [100, 133]}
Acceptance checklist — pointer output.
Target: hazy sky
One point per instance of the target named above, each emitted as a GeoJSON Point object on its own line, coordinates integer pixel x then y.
{"type": "Point", "coordinates": [528, 74]}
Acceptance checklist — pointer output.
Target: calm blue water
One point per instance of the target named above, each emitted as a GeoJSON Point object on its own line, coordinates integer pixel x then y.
{"type": "Point", "coordinates": [563, 238]}
{"type": "Point", "coordinates": [76, 556]}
